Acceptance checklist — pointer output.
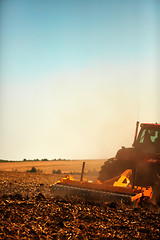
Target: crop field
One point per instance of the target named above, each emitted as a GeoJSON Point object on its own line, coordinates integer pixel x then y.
{"type": "Point", "coordinates": [47, 167]}
{"type": "Point", "coordinates": [29, 211]}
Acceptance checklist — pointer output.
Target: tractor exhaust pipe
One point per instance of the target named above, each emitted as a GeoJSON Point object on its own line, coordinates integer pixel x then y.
{"type": "Point", "coordinates": [135, 137]}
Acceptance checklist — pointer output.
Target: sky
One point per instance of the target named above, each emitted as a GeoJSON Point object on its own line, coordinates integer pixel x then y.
{"type": "Point", "coordinates": [76, 75]}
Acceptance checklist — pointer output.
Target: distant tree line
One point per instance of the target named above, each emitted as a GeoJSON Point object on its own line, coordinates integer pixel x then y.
{"type": "Point", "coordinates": [29, 160]}
{"type": "Point", "coordinates": [45, 159]}
{"type": "Point", "coordinates": [89, 172]}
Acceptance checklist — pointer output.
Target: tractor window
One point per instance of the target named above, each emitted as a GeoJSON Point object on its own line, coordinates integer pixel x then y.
{"type": "Point", "coordinates": [148, 140]}
{"type": "Point", "coordinates": [151, 134]}
{"type": "Point", "coordinates": [142, 136]}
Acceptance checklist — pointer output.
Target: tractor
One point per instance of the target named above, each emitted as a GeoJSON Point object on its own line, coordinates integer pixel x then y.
{"type": "Point", "coordinates": [143, 158]}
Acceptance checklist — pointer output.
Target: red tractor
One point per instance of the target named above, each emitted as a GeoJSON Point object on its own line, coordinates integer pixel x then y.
{"type": "Point", "coordinates": [143, 158]}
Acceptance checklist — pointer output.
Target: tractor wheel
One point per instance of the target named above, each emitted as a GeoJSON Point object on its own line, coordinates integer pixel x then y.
{"type": "Point", "coordinates": [112, 168]}
{"type": "Point", "coordinates": [144, 177]}
{"type": "Point", "coordinates": [156, 193]}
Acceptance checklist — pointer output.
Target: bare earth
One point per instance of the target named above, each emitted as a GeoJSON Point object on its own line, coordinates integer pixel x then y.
{"type": "Point", "coordinates": [29, 211]}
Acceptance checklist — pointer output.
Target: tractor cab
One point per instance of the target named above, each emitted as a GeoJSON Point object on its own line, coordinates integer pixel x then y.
{"type": "Point", "coordinates": [148, 139]}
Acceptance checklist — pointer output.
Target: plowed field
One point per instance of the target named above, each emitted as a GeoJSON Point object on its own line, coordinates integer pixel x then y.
{"type": "Point", "coordinates": [28, 211]}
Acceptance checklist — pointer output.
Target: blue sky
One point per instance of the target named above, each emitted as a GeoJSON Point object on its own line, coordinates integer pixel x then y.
{"type": "Point", "coordinates": [76, 75]}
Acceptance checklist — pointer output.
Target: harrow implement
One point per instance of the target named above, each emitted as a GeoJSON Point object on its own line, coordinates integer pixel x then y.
{"type": "Point", "coordinates": [118, 189]}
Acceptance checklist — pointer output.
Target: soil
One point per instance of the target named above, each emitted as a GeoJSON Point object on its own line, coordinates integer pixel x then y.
{"type": "Point", "coordinates": [29, 211]}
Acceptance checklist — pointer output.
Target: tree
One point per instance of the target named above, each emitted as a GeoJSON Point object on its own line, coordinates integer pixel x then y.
{"type": "Point", "coordinates": [33, 169]}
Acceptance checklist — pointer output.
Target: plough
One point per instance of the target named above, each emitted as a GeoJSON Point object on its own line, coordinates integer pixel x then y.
{"type": "Point", "coordinates": [117, 189]}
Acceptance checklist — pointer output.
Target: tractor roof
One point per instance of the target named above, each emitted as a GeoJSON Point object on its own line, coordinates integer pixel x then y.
{"type": "Point", "coordinates": [150, 125]}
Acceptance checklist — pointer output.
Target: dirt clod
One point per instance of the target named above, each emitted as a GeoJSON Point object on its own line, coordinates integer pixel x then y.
{"type": "Point", "coordinates": [29, 211]}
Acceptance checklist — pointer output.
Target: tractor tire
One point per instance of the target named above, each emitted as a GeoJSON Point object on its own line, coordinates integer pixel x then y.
{"type": "Point", "coordinates": [156, 193]}
{"type": "Point", "coordinates": [112, 168]}
{"type": "Point", "coordinates": [144, 177]}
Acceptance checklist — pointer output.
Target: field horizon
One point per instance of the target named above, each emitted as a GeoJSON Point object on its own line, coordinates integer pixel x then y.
{"type": "Point", "coordinates": [47, 167]}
